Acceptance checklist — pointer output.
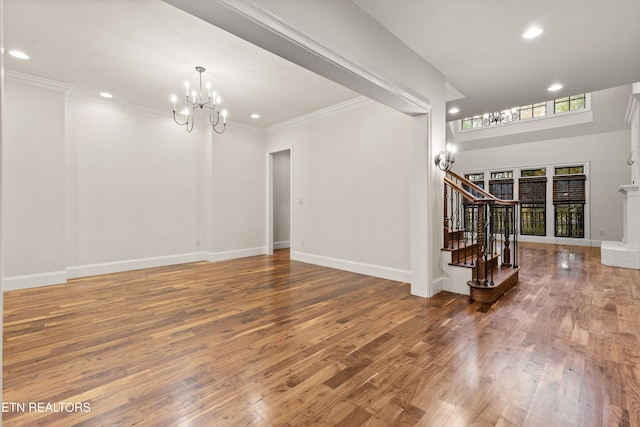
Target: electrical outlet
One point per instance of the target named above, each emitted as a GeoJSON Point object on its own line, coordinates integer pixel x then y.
{"type": "Point", "coordinates": [197, 242]}
{"type": "Point", "coordinates": [302, 242]}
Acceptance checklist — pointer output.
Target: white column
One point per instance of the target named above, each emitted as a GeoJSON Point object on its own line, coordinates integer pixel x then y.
{"type": "Point", "coordinates": [633, 116]}
{"type": "Point", "coordinates": [420, 155]}
{"type": "Point", "coordinates": [627, 253]}
{"type": "Point", "coordinates": [1, 193]}
{"type": "Point", "coordinates": [632, 202]}
{"type": "Point", "coordinates": [426, 211]}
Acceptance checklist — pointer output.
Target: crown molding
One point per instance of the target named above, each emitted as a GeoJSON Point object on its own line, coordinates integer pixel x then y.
{"type": "Point", "coordinates": [132, 108]}
{"type": "Point", "coordinates": [271, 22]}
{"type": "Point", "coordinates": [115, 105]}
{"type": "Point", "coordinates": [41, 82]}
{"type": "Point", "coordinates": [245, 127]}
{"type": "Point", "coordinates": [315, 115]}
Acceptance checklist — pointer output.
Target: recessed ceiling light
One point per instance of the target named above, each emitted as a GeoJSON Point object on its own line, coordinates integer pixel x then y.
{"type": "Point", "coordinates": [532, 33]}
{"type": "Point", "coordinates": [18, 54]}
{"type": "Point", "coordinates": [554, 87]}
{"type": "Point", "coordinates": [454, 110]}
{"type": "Point", "coordinates": [106, 95]}
{"type": "Point", "coordinates": [255, 116]}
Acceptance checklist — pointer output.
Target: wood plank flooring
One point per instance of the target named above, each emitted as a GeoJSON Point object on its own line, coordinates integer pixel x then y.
{"type": "Point", "coordinates": [268, 342]}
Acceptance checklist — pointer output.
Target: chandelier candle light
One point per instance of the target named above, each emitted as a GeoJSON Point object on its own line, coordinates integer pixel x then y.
{"type": "Point", "coordinates": [212, 104]}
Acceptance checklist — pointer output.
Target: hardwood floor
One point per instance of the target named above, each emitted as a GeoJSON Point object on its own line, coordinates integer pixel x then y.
{"type": "Point", "coordinates": [268, 342]}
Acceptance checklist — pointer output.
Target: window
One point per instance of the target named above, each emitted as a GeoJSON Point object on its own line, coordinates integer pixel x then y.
{"type": "Point", "coordinates": [533, 202]}
{"type": "Point", "coordinates": [477, 179]}
{"type": "Point", "coordinates": [501, 175]}
{"type": "Point", "coordinates": [533, 172]}
{"type": "Point", "coordinates": [525, 112]}
{"type": "Point", "coordinates": [570, 220]}
{"type": "Point", "coordinates": [569, 200]}
{"type": "Point", "coordinates": [569, 103]}
{"type": "Point", "coordinates": [471, 211]}
{"type": "Point", "coordinates": [569, 170]}
{"type": "Point", "coordinates": [533, 110]}
{"type": "Point", "coordinates": [503, 189]}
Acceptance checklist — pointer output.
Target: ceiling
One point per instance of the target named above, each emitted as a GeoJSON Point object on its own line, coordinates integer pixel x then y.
{"type": "Point", "coordinates": [142, 51]}
{"type": "Point", "coordinates": [586, 45]}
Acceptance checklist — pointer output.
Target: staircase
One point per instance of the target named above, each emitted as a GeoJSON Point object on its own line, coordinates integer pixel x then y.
{"type": "Point", "coordinates": [480, 249]}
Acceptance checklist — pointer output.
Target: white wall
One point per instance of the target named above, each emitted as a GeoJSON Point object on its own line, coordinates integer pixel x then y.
{"type": "Point", "coordinates": [34, 173]}
{"type": "Point", "coordinates": [238, 192]}
{"type": "Point", "coordinates": [351, 188]}
{"type": "Point", "coordinates": [131, 184]}
{"type": "Point", "coordinates": [281, 198]}
{"type": "Point", "coordinates": [93, 187]}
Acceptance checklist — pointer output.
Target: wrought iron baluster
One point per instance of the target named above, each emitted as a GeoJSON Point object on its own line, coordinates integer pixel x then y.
{"type": "Point", "coordinates": [451, 218]}
{"type": "Point", "coordinates": [516, 231]}
{"type": "Point", "coordinates": [444, 216]}
{"type": "Point", "coordinates": [506, 261]}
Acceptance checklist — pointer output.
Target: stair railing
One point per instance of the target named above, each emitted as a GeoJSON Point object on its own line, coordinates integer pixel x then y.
{"type": "Point", "coordinates": [474, 221]}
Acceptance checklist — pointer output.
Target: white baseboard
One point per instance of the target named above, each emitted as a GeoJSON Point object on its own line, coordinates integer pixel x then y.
{"type": "Point", "coordinates": [558, 241]}
{"type": "Point", "coordinates": [238, 253]}
{"type": "Point", "coordinates": [14, 283]}
{"type": "Point", "coordinates": [353, 266]}
{"type": "Point", "coordinates": [438, 285]}
{"type": "Point", "coordinates": [282, 245]}
{"type": "Point", "coordinates": [59, 277]}
{"type": "Point", "coordinates": [133, 264]}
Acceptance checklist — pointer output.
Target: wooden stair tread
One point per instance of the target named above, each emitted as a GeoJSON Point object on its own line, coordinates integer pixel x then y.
{"type": "Point", "coordinates": [504, 278]}
{"type": "Point", "coordinates": [458, 244]}
{"type": "Point", "coordinates": [469, 258]}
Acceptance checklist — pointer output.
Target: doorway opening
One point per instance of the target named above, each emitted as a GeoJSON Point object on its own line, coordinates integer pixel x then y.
{"type": "Point", "coordinates": [279, 207]}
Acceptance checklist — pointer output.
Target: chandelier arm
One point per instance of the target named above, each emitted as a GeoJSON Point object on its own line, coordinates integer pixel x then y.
{"type": "Point", "coordinates": [213, 113]}
{"type": "Point", "coordinates": [176, 120]}
{"type": "Point", "coordinates": [219, 132]}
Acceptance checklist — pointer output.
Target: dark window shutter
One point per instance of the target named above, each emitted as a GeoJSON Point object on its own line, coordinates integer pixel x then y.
{"type": "Point", "coordinates": [533, 190]}
{"type": "Point", "coordinates": [569, 189]}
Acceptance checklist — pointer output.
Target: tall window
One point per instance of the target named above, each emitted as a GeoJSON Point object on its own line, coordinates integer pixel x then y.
{"type": "Point", "coordinates": [569, 199]}
{"type": "Point", "coordinates": [533, 202]}
{"type": "Point", "coordinates": [477, 179]}
{"type": "Point", "coordinates": [471, 211]}
{"type": "Point", "coordinates": [501, 186]}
